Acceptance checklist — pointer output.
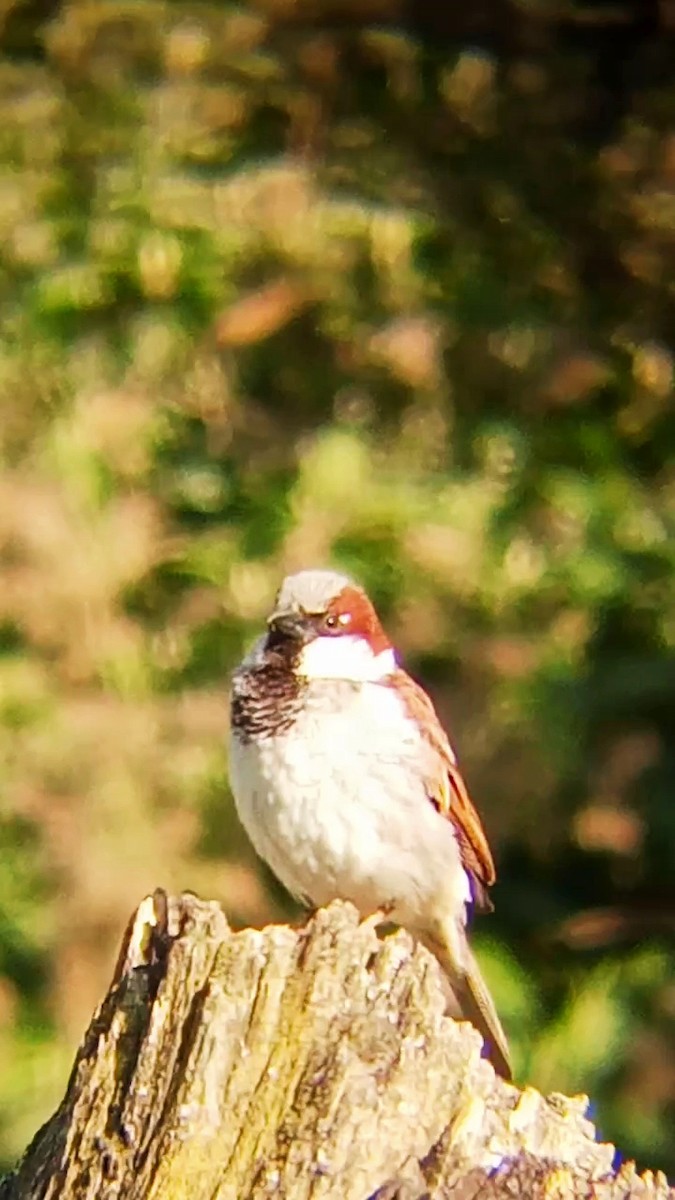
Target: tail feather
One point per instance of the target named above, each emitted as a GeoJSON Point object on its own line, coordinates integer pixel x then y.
{"type": "Point", "coordinates": [478, 1007]}
{"type": "Point", "coordinates": [471, 1001]}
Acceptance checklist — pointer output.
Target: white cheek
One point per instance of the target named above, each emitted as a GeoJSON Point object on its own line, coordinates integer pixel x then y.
{"type": "Point", "coordinates": [344, 657]}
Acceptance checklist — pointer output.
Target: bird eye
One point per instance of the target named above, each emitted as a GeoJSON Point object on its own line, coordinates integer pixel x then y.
{"type": "Point", "coordinates": [336, 622]}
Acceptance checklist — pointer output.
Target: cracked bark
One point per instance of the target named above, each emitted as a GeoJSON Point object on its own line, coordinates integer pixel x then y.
{"type": "Point", "coordinates": [298, 1063]}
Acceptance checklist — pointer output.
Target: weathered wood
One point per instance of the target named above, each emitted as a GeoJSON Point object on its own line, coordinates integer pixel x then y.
{"type": "Point", "coordinates": [297, 1063]}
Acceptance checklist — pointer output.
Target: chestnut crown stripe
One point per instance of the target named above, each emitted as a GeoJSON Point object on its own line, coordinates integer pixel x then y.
{"type": "Point", "coordinates": [363, 621]}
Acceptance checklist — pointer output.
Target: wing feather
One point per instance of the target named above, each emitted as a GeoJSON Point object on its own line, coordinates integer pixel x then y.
{"type": "Point", "coordinates": [447, 790]}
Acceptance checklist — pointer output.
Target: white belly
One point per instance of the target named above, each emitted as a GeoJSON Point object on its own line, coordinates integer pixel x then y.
{"type": "Point", "coordinates": [337, 808]}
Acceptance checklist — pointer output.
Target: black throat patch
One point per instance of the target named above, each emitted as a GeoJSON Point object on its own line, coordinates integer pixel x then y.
{"type": "Point", "coordinates": [266, 697]}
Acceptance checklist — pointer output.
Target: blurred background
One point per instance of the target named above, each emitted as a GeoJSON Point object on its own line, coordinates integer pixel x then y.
{"type": "Point", "coordinates": [369, 283]}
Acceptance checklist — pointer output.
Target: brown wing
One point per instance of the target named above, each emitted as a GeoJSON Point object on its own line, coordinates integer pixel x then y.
{"type": "Point", "coordinates": [447, 789]}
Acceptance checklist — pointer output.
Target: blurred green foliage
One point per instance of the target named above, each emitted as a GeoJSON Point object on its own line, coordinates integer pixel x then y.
{"type": "Point", "coordinates": [286, 284]}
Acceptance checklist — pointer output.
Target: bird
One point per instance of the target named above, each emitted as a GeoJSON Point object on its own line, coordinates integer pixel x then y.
{"type": "Point", "coordinates": [348, 787]}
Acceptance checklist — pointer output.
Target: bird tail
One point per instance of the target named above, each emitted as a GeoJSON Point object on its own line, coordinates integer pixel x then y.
{"type": "Point", "coordinates": [471, 1001]}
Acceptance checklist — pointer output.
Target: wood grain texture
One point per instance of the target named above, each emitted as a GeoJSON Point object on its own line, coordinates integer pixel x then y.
{"type": "Point", "coordinates": [299, 1064]}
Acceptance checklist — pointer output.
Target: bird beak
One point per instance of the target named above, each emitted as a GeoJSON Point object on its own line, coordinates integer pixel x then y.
{"type": "Point", "coordinates": [297, 627]}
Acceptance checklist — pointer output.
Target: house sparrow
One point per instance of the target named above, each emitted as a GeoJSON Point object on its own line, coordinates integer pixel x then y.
{"type": "Point", "coordinates": [348, 787]}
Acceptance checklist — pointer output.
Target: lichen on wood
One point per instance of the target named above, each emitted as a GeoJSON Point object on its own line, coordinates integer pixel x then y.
{"type": "Point", "coordinates": [297, 1063]}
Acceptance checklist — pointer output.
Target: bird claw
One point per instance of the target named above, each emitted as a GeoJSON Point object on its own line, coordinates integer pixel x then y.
{"type": "Point", "coordinates": [381, 916]}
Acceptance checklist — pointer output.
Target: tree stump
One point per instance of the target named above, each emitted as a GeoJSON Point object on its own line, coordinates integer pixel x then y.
{"type": "Point", "coordinates": [286, 1063]}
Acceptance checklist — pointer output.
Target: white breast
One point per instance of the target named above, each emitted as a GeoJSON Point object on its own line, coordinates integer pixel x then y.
{"type": "Point", "coordinates": [337, 806]}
